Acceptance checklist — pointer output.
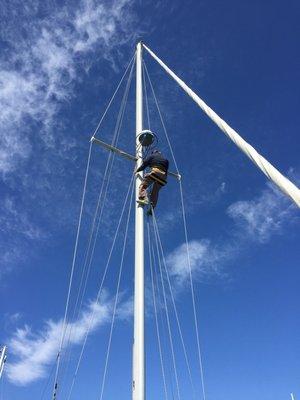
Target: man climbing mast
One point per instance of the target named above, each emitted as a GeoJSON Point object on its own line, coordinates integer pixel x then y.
{"type": "Point", "coordinates": [157, 177]}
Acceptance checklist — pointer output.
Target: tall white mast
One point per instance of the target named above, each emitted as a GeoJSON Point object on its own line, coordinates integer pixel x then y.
{"type": "Point", "coordinates": [138, 384]}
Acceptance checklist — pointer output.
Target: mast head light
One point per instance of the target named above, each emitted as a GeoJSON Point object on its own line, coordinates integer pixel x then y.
{"type": "Point", "coordinates": [146, 138]}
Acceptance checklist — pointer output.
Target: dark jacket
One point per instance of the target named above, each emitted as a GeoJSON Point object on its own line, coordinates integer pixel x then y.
{"type": "Point", "coordinates": [155, 160]}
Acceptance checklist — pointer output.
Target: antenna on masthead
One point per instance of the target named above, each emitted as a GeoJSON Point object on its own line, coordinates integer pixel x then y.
{"type": "Point", "coordinates": [147, 138]}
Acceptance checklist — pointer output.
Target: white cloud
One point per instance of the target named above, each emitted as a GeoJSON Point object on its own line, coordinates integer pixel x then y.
{"type": "Point", "coordinates": [8, 256]}
{"type": "Point", "coordinates": [46, 52]}
{"type": "Point", "coordinates": [256, 220]}
{"type": "Point", "coordinates": [205, 260]}
{"type": "Point", "coordinates": [93, 22]}
{"type": "Point", "coordinates": [263, 216]}
{"type": "Point", "coordinates": [168, 219]}
{"type": "Point", "coordinates": [125, 309]}
{"type": "Point", "coordinates": [18, 234]}
{"type": "Point", "coordinates": [38, 71]}
{"type": "Point", "coordinates": [12, 320]}
{"type": "Point", "coordinates": [34, 352]}
{"type": "Point", "coordinates": [15, 220]}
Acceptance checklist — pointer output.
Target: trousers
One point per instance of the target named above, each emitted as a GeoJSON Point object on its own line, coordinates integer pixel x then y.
{"type": "Point", "coordinates": [156, 178]}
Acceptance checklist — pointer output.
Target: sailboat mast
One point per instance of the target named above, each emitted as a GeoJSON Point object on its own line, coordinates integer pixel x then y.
{"type": "Point", "coordinates": [138, 384]}
{"type": "Point", "coordinates": [2, 359]}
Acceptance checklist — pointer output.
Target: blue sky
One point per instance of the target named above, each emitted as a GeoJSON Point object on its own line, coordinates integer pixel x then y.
{"type": "Point", "coordinates": [60, 63]}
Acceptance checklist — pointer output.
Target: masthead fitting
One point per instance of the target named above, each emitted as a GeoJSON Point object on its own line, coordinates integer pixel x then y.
{"type": "Point", "coordinates": [147, 138]}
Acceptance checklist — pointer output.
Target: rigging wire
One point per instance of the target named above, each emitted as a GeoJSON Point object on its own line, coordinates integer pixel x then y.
{"type": "Point", "coordinates": [108, 166]}
{"type": "Point", "coordinates": [104, 188]}
{"type": "Point", "coordinates": [146, 96]}
{"type": "Point", "coordinates": [192, 292]}
{"type": "Point", "coordinates": [48, 381]}
{"type": "Point", "coordinates": [162, 320]}
{"type": "Point", "coordinates": [112, 158]}
{"type": "Point", "coordinates": [149, 148]}
{"type": "Point", "coordinates": [117, 295]}
{"type": "Point", "coordinates": [113, 96]}
{"type": "Point", "coordinates": [284, 184]}
{"type": "Point", "coordinates": [174, 304]}
{"type": "Point", "coordinates": [114, 142]}
{"type": "Point", "coordinates": [161, 119]}
{"type": "Point", "coordinates": [167, 316]}
{"type": "Point", "coordinates": [186, 240]}
{"type": "Point", "coordinates": [158, 245]}
{"type": "Point", "coordinates": [55, 388]}
{"type": "Point", "coordinates": [155, 313]}
{"type": "Point", "coordinates": [100, 288]}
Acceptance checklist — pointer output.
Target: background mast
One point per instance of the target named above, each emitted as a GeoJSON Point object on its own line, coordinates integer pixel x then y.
{"type": "Point", "coordinates": [2, 359]}
{"type": "Point", "coordinates": [138, 384]}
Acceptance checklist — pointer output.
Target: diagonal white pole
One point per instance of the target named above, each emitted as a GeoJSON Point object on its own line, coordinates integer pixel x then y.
{"type": "Point", "coordinates": [284, 184]}
{"type": "Point", "coordinates": [138, 384]}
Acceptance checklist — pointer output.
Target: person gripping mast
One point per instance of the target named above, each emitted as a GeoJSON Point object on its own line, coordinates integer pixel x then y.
{"type": "Point", "coordinates": [156, 177]}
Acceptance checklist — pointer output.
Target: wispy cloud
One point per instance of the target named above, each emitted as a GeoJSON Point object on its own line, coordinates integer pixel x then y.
{"type": "Point", "coordinates": [34, 351]}
{"type": "Point", "coordinates": [206, 260]}
{"type": "Point", "coordinates": [39, 67]}
{"type": "Point", "coordinates": [11, 320]}
{"type": "Point", "coordinates": [46, 53]}
{"type": "Point", "coordinates": [14, 219]}
{"type": "Point", "coordinates": [256, 221]}
{"type": "Point", "coordinates": [267, 214]}
{"type": "Point", "coordinates": [18, 233]}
